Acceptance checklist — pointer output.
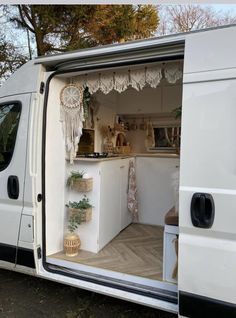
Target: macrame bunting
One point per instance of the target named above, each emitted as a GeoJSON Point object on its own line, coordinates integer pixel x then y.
{"type": "Point", "coordinates": [138, 79]}
{"type": "Point", "coordinates": [153, 76]}
{"type": "Point", "coordinates": [121, 81]}
{"type": "Point", "coordinates": [72, 117]}
{"type": "Point", "coordinates": [106, 82]}
{"type": "Point", "coordinates": [173, 72]}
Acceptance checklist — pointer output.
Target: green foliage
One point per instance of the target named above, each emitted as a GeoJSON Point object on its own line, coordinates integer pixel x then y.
{"type": "Point", "coordinates": [81, 205]}
{"type": "Point", "coordinates": [75, 175]}
{"type": "Point", "coordinates": [73, 222]}
{"type": "Point", "coordinates": [177, 112]}
{"type": "Point", "coordinates": [79, 217]}
{"type": "Point", "coordinates": [59, 28]}
{"type": "Point", "coordinates": [86, 100]}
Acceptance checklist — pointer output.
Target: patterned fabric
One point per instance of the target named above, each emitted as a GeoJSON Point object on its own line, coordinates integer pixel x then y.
{"type": "Point", "coordinates": [132, 192]}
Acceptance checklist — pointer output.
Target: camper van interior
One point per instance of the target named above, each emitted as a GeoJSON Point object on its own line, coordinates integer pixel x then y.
{"type": "Point", "coordinates": [124, 152]}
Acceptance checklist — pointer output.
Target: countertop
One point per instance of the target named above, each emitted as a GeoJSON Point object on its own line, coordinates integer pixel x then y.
{"type": "Point", "coordinates": [132, 155]}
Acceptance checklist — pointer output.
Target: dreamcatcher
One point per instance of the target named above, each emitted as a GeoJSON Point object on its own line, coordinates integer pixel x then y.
{"type": "Point", "coordinates": [72, 117]}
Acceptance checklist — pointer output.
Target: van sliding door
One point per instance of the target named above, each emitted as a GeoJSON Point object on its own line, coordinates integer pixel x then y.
{"type": "Point", "coordinates": [14, 114]}
{"type": "Point", "coordinates": [207, 241]}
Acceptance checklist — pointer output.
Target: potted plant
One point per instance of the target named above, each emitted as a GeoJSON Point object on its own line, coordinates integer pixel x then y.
{"type": "Point", "coordinates": [82, 209]}
{"type": "Point", "coordinates": [78, 182]}
{"type": "Point", "coordinates": [71, 240]}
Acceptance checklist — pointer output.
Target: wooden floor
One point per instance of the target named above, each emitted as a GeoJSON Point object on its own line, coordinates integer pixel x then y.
{"type": "Point", "coordinates": [137, 250]}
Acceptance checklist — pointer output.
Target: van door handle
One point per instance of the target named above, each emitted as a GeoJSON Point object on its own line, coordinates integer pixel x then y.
{"type": "Point", "coordinates": [202, 210]}
{"type": "Point", "coordinates": [13, 188]}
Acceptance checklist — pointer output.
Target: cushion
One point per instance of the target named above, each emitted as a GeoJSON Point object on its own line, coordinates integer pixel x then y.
{"type": "Point", "coordinates": [172, 217]}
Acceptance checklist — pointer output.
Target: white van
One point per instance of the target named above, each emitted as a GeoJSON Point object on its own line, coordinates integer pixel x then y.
{"type": "Point", "coordinates": [135, 87]}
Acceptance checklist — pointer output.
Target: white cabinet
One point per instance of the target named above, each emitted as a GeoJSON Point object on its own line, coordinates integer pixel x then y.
{"type": "Point", "coordinates": [109, 199]}
{"type": "Point", "coordinates": [109, 215]}
{"type": "Point", "coordinates": [114, 215]}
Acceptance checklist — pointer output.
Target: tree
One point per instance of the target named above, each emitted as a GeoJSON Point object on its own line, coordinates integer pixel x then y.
{"type": "Point", "coordinates": [10, 59]}
{"type": "Point", "coordinates": [65, 27]}
{"type": "Point", "coordinates": [184, 18]}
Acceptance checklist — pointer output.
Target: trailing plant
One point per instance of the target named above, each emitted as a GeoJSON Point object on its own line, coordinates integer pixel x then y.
{"type": "Point", "coordinates": [75, 175]}
{"type": "Point", "coordinates": [81, 205]}
{"type": "Point", "coordinates": [86, 101]}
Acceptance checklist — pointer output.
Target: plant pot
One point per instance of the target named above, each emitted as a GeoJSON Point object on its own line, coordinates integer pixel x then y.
{"type": "Point", "coordinates": [82, 185]}
{"type": "Point", "coordinates": [86, 214]}
{"type": "Point", "coordinates": [71, 244]}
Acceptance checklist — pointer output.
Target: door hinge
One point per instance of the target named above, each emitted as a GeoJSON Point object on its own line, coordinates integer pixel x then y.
{"type": "Point", "coordinates": [42, 86]}
{"type": "Point", "coordinates": [39, 253]}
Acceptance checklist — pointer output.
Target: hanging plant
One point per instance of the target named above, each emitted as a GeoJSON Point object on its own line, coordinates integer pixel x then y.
{"type": "Point", "coordinates": [86, 101]}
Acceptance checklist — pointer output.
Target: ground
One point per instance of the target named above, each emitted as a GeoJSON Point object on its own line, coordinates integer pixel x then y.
{"type": "Point", "coordinates": [22, 296]}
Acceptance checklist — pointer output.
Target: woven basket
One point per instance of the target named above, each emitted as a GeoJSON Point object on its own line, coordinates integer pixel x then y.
{"type": "Point", "coordinates": [86, 214]}
{"type": "Point", "coordinates": [82, 185]}
{"type": "Point", "coordinates": [71, 244]}
{"type": "Point", "coordinates": [123, 149]}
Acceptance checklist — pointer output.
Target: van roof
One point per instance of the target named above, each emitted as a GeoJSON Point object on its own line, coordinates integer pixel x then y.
{"type": "Point", "coordinates": [174, 42]}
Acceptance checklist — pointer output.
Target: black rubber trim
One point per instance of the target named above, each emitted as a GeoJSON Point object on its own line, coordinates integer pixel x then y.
{"type": "Point", "coordinates": [25, 257]}
{"type": "Point", "coordinates": [19, 256]}
{"type": "Point", "coordinates": [7, 253]}
{"type": "Point", "coordinates": [195, 306]}
{"type": "Point", "coordinates": [108, 283]}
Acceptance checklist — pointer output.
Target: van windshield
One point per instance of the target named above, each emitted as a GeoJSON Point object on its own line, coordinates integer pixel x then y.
{"type": "Point", "coordinates": [9, 121]}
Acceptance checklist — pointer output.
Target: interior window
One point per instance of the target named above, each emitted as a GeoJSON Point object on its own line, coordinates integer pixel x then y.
{"type": "Point", "coordinates": [9, 121]}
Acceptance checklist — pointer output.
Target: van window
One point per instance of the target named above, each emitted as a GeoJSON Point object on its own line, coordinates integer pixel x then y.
{"type": "Point", "coordinates": [9, 121]}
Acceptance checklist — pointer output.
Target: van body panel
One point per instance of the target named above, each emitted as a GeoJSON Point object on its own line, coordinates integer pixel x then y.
{"type": "Point", "coordinates": [10, 209]}
{"type": "Point", "coordinates": [25, 80]}
{"type": "Point", "coordinates": [208, 165]}
{"type": "Point", "coordinates": [210, 51]}
{"type": "Point", "coordinates": [207, 256]}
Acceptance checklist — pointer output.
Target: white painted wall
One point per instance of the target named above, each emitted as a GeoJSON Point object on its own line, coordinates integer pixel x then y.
{"type": "Point", "coordinates": [162, 99]}
{"type": "Point", "coordinates": [105, 116]}
{"type": "Point", "coordinates": [155, 188]}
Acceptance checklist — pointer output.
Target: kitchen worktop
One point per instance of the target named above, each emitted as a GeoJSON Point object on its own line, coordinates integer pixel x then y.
{"type": "Point", "coordinates": [131, 155]}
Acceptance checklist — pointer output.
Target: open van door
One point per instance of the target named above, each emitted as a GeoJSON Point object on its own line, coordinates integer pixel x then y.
{"type": "Point", "coordinates": [207, 241]}
{"type": "Point", "coordinates": [14, 116]}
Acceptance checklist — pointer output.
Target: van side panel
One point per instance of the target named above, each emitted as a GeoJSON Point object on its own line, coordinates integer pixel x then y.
{"type": "Point", "coordinates": [207, 257]}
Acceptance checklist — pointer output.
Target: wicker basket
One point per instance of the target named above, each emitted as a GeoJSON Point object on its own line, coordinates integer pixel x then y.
{"type": "Point", "coordinates": [86, 214]}
{"type": "Point", "coordinates": [71, 244]}
{"type": "Point", "coordinates": [123, 149]}
{"type": "Point", "coordinates": [82, 185]}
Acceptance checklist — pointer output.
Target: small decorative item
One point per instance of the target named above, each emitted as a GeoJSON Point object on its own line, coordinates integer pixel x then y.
{"type": "Point", "coordinates": [78, 182]}
{"type": "Point", "coordinates": [107, 133]}
{"type": "Point", "coordinates": [71, 240]}
{"type": "Point", "coordinates": [143, 125]}
{"type": "Point", "coordinates": [82, 210]}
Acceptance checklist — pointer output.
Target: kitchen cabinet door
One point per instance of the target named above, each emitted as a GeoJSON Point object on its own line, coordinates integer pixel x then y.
{"type": "Point", "coordinates": [109, 221]}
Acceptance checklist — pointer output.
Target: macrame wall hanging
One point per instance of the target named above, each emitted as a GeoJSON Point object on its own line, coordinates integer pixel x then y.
{"type": "Point", "coordinates": [72, 117]}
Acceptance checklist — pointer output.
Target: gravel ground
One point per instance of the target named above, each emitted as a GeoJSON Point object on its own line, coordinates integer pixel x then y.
{"type": "Point", "coordinates": [22, 296]}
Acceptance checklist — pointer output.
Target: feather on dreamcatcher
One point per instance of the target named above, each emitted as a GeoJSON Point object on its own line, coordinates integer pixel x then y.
{"type": "Point", "coordinates": [72, 117]}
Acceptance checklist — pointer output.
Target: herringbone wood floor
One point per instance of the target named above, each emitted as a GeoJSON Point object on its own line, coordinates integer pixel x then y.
{"type": "Point", "coordinates": [137, 250]}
